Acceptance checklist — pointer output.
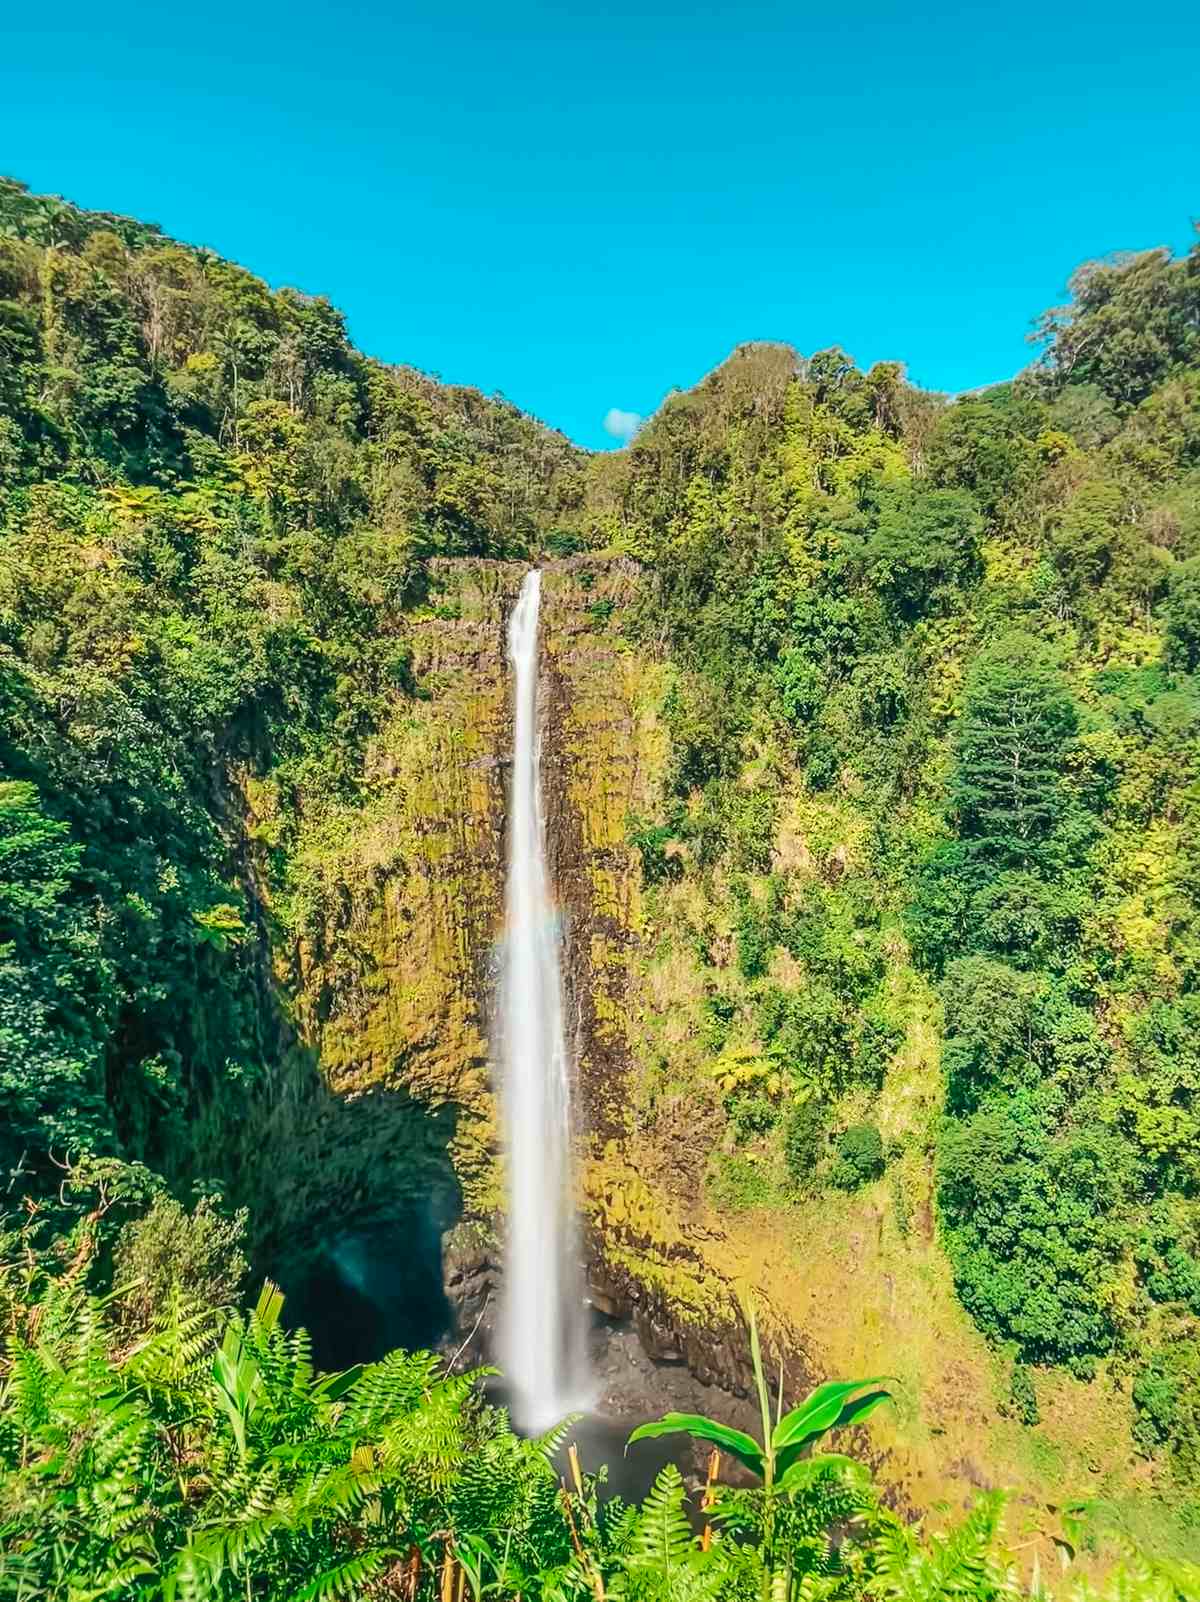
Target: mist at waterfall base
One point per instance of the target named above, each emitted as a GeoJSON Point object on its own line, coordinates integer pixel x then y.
{"type": "Point", "coordinates": [541, 1335]}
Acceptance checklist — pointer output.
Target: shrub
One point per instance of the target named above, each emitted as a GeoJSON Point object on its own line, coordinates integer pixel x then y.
{"type": "Point", "coordinates": [879, 1037]}
{"type": "Point", "coordinates": [1022, 1396]}
{"type": "Point", "coordinates": [650, 841]}
{"type": "Point", "coordinates": [1033, 1226]}
{"type": "Point", "coordinates": [751, 1115]}
{"type": "Point", "coordinates": [716, 1015]}
{"type": "Point", "coordinates": [562, 542]}
{"type": "Point", "coordinates": [754, 940]}
{"type": "Point", "coordinates": [736, 1184]}
{"type": "Point", "coordinates": [706, 725]}
{"type": "Point", "coordinates": [1166, 1395]}
{"type": "Point", "coordinates": [859, 1157]}
{"type": "Point", "coordinates": [169, 1250]}
{"type": "Point", "coordinates": [821, 768]}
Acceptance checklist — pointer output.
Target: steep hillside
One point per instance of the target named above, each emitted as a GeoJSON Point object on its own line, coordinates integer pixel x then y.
{"type": "Point", "coordinates": [910, 1023]}
{"type": "Point", "coordinates": [231, 671]}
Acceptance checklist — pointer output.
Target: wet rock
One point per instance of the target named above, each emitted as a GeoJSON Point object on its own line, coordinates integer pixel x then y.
{"type": "Point", "coordinates": [605, 1304]}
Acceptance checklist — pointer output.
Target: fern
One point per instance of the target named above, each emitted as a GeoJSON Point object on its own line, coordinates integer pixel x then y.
{"type": "Point", "coordinates": [664, 1536]}
{"type": "Point", "coordinates": [552, 1442]}
{"type": "Point", "coordinates": [169, 1357]}
{"type": "Point", "coordinates": [209, 1461]}
{"type": "Point", "coordinates": [966, 1562]}
{"type": "Point", "coordinates": [344, 1579]}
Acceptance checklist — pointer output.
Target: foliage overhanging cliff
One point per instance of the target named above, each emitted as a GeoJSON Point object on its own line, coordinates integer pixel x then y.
{"type": "Point", "coordinates": [897, 902]}
{"type": "Point", "coordinates": [218, 520]}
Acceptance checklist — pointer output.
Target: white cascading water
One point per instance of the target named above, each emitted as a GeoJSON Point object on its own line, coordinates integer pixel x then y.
{"type": "Point", "coordinates": [541, 1324]}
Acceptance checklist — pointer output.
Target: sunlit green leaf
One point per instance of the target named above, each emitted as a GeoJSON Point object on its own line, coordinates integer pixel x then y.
{"type": "Point", "coordinates": [735, 1442]}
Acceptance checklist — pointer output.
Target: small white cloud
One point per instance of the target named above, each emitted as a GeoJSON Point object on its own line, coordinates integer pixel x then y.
{"type": "Point", "coordinates": [622, 425]}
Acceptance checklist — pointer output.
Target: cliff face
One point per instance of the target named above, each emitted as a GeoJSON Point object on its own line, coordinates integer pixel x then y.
{"type": "Point", "coordinates": [393, 992]}
{"type": "Point", "coordinates": [393, 986]}
{"type": "Point", "coordinates": [604, 754]}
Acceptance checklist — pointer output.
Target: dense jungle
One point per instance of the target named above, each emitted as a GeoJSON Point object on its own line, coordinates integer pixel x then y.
{"type": "Point", "coordinates": [873, 791]}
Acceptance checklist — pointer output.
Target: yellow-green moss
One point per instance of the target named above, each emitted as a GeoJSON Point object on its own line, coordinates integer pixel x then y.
{"type": "Point", "coordinates": [399, 898]}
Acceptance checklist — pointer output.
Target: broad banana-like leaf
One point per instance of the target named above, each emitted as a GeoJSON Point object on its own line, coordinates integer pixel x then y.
{"type": "Point", "coordinates": [805, 1470]}
{"type": "Point", "coordinates": [744, 1447]}
{"type": "Point", "coordinates": [818, 1412]}
{"type": "Point", "coordinates": [861, 1406]}
{"type": "Point", "coordinates": [848, 1413]}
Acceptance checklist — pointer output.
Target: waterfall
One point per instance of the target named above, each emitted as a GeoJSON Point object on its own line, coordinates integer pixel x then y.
{"type": "Point", "coordinates": [541, 1334]}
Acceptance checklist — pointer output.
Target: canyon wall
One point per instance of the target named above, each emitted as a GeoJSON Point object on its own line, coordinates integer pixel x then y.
{"type": "Point", "coordinates": [393, 991]}
{"type": "Point", "coordinates": [393, 986]}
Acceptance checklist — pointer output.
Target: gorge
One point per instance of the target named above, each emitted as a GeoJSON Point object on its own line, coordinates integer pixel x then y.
{"type": "Point", "coordinates": [853, 735]}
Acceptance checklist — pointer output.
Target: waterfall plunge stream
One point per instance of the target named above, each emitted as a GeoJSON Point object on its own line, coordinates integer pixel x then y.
{"type": "Point", "coordinates": [542, 1338]}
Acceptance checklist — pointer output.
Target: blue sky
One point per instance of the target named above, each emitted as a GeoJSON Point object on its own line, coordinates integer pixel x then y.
{"type": "Point", "coordinates": [585, 206]}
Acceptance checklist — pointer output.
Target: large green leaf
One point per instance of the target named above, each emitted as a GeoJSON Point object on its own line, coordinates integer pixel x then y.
{"type": "Point", "coordinates": [849, 1413]}
{"type": "Point", "coordinates": [737, 1444]}
{"type": "Point", "coordinates": [818, 1412]}
{"type": "Point", "coordinates": [334, 1386]}
{"type": "Point", "coordinates": [854, 1412]}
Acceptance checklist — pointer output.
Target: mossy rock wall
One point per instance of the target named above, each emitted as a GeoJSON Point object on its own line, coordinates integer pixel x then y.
{"type": "Point", "coordinates": [393, 988]}
{"type": "Point", "coordinates": [602, 762]}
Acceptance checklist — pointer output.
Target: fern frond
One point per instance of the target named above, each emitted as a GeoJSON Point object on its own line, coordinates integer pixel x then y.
{"type": "Point", "coordinates": [345, 1579]}
{"type": "Point", "coordinates": [664, 1536]}
{"type": "Point", "coordinates": [551, 1443]}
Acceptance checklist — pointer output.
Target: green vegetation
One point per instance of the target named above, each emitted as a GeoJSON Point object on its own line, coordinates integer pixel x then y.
{"type": "Point", "coordinates": [935, 715]}
{"type": "Point", "coordinates": [785, 1459]}
{"type": "Point", "coordinates": [196, 1454]}
{"type": "Point", "coordinates": [217, 525]}
{"type": "Point", "coordinates": [918, 887]}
